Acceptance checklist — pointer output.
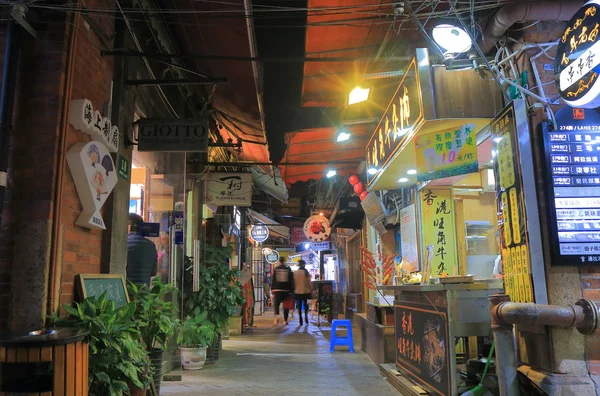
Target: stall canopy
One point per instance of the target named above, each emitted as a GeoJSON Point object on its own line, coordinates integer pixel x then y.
{"type": "Point", "coordinates": [317, 151]}
{"type": "Point", "coordinates": [276, 230]}
{"type": "Point", "coordinates": [270, 182]}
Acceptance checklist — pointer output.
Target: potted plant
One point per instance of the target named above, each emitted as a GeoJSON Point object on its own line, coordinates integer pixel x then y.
{"type": "Point", "coordinates": [220, 294]}
{"type": "Point", "coordinates": [118, 361]}
{"type": "Point", "coordinates": [196, 334]}
{"type": "Point", "coordinates": [156, 318]}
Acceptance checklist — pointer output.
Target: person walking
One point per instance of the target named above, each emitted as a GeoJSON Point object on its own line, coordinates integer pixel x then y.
{"type": "Point", "coordinates": [282, 284]}
{"type": "Point", "coordinates": [142, 258]}
{"type": "Point", "coordinates": [302, 289]}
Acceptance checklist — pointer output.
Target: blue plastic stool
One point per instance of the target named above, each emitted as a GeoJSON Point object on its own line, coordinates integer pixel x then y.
{"type": "Point", "coordinates": [341, 341]}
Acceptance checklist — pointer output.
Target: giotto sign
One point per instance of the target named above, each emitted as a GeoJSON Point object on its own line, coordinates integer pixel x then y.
{"type": "Point", "coordinates": [173, 135]}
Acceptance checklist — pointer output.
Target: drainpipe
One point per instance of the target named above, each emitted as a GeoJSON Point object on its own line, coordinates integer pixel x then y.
{"type": "Point", "coordinates": [7, 99]}
{"type": "Point", "coordinates": [548, 11]}
{"type": "Point", "coordinates": [583, 315]}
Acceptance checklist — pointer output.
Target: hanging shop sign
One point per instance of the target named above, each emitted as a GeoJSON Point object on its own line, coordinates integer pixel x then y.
{"type": "Point", "coordinates": [150, 230]}
{"type": "Point", "coordinates": [316, 246]}
{"type": "Point", "coordinates": [173, 135]}
{"type": "Point", "coordinates": [273, 257]}
{"type": "Point", "coordinates": [394, 131]}
{"type": "Point", "coordinates": [316, 228]}
{"type": "Point", "coordinates": [423, 345]}
{"type": "Point", "coordinates": [577, 59]}
{"type": "Point", "coordinates": [374, 212]}
{"type": "Point", "coordinates": [510, 201]}
{"type": "Point", "coordinates": [94, 174]}
{"type": "Point", "coordinates": [259, 233]}
{"type": "Point", "coordinates": [229, 189]}
{"type": "Point", "coordinates": [573, 186]}
{"type": "Point", "coordinates": [446, 153]}
{"type": "Point", "coordinates": [437, 215]}
{"type": "Point", "coordinates": [408, 239]}
{"type": "Point", "coordinates": [89, 121]}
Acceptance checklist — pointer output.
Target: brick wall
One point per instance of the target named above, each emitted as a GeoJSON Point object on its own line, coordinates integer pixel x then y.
{"type": "Point", "coordinates": [26, 230]}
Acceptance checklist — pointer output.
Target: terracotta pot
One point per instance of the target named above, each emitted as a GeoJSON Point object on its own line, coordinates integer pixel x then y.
{"type": "Point", "coordinates": [135, 391]}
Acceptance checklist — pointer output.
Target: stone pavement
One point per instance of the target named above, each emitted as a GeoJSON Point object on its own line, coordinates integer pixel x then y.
{"type": "Point", "coordinates": [284, 360]}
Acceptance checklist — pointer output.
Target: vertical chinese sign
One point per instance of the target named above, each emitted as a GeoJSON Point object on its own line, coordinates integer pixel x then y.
{"type": "Point", "coordinates": [446, 153]}
{"type": "Point", "coordinates": [423, 345]}
{"type": "Point", "coordinates": [438, 230]}
{"type": "Point", "coordinates": [512, 224]}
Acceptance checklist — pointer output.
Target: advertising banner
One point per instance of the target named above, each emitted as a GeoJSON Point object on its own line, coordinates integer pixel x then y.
{"type": "Point", "coordinates": [438, 230]}
{"type": "Point", "coordinates": [229, 189]}
{"type": "Point", "coordinates": [408, 239]}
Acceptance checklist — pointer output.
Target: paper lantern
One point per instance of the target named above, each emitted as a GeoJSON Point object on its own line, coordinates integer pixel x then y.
{"type": "Point", "coordinates": [359, 187]}
{"type": "Point", "coordinates": [363, 195]}
{"type": "Point", "coordinates": [353, 179]}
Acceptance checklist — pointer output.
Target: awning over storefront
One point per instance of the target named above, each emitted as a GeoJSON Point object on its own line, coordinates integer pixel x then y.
{"type": "Point", "coordinates": [432, 105]}
{"type": "Point", "coordinates": [276, 230]}
{"type": "Point", "coordinates": [348, 213]}
{"type": "Point", "coordinates": [316, 150]}
{"type": "Point", "coordinates": [270, 182]}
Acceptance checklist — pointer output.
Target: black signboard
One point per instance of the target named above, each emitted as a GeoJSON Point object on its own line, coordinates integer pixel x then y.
{"type": "Point", "coordinates": [423, 345]}
{"type": "Point", "coordinates": [573, 186]}
{"type": "Point", "coordinates": [325, 296]}
{"type": "Point", "coordinates": [510, 202]}
{"type": "Point", "coordinates": [577, 59]}
{"type": "Point", "coordinates": [402, 116]}
{"type": "Point", "coordinates": [151, 230]}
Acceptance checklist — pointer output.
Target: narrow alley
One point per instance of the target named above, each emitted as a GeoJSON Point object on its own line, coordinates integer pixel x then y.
{"type": "Point", "coordinates": [283, 360]}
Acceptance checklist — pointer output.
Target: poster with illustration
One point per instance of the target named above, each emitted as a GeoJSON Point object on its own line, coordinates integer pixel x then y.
{"type": "Point", "coordinates": [422, 348]}
{"type": "Point", "coordinates": [94, 175]}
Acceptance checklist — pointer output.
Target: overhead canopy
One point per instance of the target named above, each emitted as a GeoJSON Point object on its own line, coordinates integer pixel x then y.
{"type": "Point", "coordinates": [271, 183]}
{"type": "Point", "coordinates": [317, 150]}
{"type": "Point", "coordinates": [276, 230]}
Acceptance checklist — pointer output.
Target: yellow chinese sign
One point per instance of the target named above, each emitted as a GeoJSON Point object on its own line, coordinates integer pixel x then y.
{"type": "Point", "coordinates": [512, 225]}
{"type": "Point", "coordinates": [437, 213]}
{"type": "Point", "coordinates": [446, 153]}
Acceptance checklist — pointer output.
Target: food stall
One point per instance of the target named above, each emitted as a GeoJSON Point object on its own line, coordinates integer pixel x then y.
{"type": "Point", "coordinates": [446, 139]}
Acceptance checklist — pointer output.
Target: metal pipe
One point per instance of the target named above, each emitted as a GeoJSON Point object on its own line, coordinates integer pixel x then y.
{"type": "Point", "coordinates": [551, 11]}
{"type": "Point", "coordinates": [7, 99]}
{"type": "Point", "coordinates": [583, 315]}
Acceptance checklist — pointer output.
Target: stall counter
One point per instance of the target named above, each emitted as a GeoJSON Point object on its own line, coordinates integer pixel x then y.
{"type": "Point", "coordinates": [428, 318]}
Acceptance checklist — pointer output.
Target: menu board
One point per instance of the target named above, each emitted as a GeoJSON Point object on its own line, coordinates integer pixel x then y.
{"type": "Point", "coordinates": [438, 230]}
{"type": "Point", "coordinates": [423, 345]}
{"type": "Point", "coordinates": [512, 222]}
{"type": "Point", "coordinates": [572, 154]}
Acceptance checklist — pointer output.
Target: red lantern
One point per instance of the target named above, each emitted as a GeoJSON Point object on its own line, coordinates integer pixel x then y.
{"type": "Point", "coordinates": [363, 195]}
{"type": "Point", "coordinates": [353, 179]}
{"type": "Point", "coordinates": [359, 187]}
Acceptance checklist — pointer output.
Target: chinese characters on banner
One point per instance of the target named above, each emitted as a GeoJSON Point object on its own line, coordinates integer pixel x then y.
{"type": "Point", "coordinates": [577, 58]}
{"type": "Point", "coordinates": [229, 189]}
{"type": "Point", "coordinates": [422, 345]}
{"type": "Point", "coordinates": [573, 186]}
{"type": "Point", "coordinates": [403, 115]}
{"type": "Point", "coordinates": [512, 224]}
{"type": "Point", "coordinates": [446, 153]}
{"type": "Point", "coordinates": [437, 208]}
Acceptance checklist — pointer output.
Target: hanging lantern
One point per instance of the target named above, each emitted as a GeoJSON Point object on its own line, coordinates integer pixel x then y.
{"type": "Point", "coordinates": [363, 195]}
{"type": "Point", "coordinates": [353, 179]}
{"type": "Point", "coordinates": [359, 187]}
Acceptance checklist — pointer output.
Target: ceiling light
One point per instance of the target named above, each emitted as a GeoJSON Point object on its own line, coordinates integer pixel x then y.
{"type": "Point", "coordinates": [330, 173]}
{"type": "Point", "coordinates": [411, 172]}
{"type": "Point", "coordinates": [452, 39]}
{"type": "Point", "coordinates": [306, 245]}
{"type": "Point", "coordinates": [321, 214]}
{"type": "Point", "coordinates": [372, 171]}
{"type": "Point", "coordinates": [343, 136]}
{"type": "Point", "coordinates": [358, 95]}
{"type": "Point", "coordinates": [403, 180]}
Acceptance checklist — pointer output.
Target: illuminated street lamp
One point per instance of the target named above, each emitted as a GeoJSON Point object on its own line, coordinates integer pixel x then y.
{"type": "Point", "coordinates": [452, 39]}
{"type": "Point", "coordinates": [358, 95]}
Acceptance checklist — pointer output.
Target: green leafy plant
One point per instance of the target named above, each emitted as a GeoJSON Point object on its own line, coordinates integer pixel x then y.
{"type": "Point", "coordinates": [220, 293]}
{"type": "Point", "coordinates": [155, 316]}
{"type": "Point", "coordinates": [118, 356]}
{"type": "Point", "coordinates": [197, 331]}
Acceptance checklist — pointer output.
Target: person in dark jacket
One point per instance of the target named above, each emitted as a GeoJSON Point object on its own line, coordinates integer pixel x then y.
{"type": "Point", "coordinates": [282, 284]}
{"type": "Point", "coordinates": [302, 289]}
{"type": "Point", "coordinates": [142, 258]}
